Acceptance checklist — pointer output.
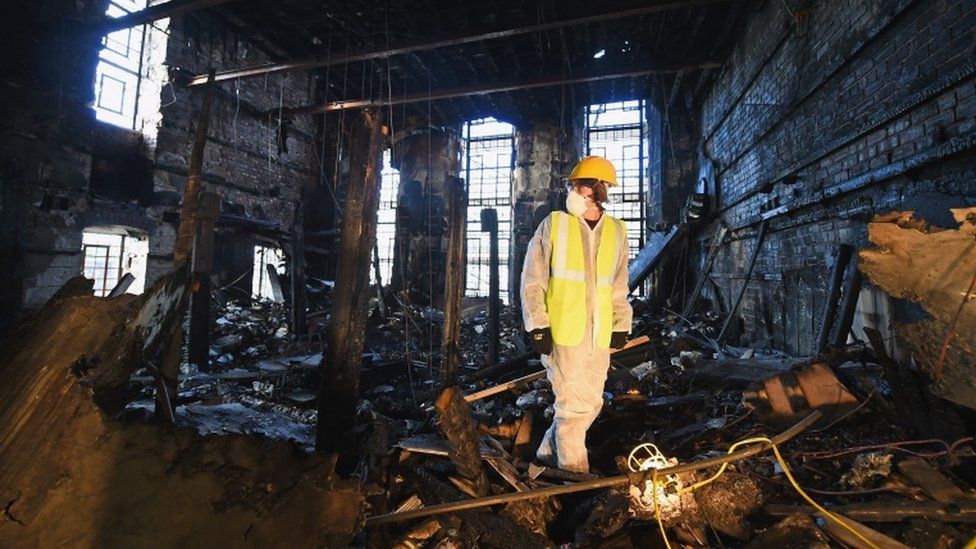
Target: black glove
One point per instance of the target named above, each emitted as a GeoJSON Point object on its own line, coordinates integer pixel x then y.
{"type": "Point", "coordinates": [541, 341]}
{"type": "Point", "coordinates": [618, 340]}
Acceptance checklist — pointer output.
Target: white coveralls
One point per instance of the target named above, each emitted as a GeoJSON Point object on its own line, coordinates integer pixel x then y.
{"type": "Point", "coordinates": [577, 373]}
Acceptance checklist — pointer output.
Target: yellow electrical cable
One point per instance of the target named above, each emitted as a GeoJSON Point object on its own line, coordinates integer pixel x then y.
{"type": "Point", "coordinates": [971, 544]}
{"type": "Point", "coordinates": [789, 476]}
{"type": "Point", "coordinates": [657, 510]}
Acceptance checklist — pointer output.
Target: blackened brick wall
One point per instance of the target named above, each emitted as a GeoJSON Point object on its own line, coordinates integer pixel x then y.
{"type": "Point", "coordinates": [62, 171]}
{"type": "Point", "coordinates": [824, 115]}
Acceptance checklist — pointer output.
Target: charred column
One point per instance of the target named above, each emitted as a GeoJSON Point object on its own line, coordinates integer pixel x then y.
{"type": "Point", "coordinates": [170, 365]}
{"type": "Point", "coordinates": [489, 224]}
{"type": "Point", "coordinates": [340, 379]}
{"type": "Point", "coordinates": [545, 152]}
{"type": "Point", "coordinates": [457, 205]}
{"type": "Point", "coordinates": [203, 253]}
{"type": "Point", "coordinates": [299, 324]}
{"type": "Point", "coordinates": [427, 158]}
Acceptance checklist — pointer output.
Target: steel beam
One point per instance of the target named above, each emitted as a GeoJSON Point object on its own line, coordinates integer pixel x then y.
{"type": "Point", "coordinates": [480, 89]}
{"type": "Point", "coordinates": [154, 13]}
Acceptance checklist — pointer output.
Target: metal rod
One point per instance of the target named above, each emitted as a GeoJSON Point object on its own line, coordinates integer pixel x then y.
{"type": "Point", "coordinates": [594, 484]}
{"type": "Point", "coordinates": [706, 269]}
{"type": "Point", "coordinates": [413, 47]}
{"type": "Point", "coordinates": [745, 283]}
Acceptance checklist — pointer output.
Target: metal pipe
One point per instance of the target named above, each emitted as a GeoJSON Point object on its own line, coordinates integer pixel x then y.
{"type": "Point", "coordinates": [594, 484]}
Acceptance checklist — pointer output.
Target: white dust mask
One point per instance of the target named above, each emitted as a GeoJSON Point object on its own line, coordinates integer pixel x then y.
{"type": "Point", "coordinates": [575, 203]}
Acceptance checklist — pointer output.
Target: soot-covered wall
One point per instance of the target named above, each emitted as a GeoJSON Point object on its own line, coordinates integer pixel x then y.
{"type": "Point", "coordinates": [826, 114]}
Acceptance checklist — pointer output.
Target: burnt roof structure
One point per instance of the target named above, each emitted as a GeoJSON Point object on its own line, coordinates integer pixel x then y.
{"type": "Point", "coordinates": [498, 58]}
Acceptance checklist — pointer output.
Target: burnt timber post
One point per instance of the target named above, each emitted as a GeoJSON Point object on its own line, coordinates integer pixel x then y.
{"type": "Point", "coordinates": [172, 351]}
{"type": "Point", "coordinates": [203, 252]}
{"type": "Point", "coordinates": [299, 324]}
{"type": "Point", "coordinates": [489, 224]}
{"type": "Point", "coordinates": [346, 332]}
{"type": "Point", "coordinates": [844, 253]}
{"type": "Point", "coordinates": [457, 205]}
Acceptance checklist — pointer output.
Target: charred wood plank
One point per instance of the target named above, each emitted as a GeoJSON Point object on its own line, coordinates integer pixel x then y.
{"type": "Point", "coordinates": [463, 439]}
{"type": "Point", "coordinates": [457, 206]}
{"type": "Point", "coordinates": [652, 253]}
{"type": "Point", "coordinates": [169, 367]}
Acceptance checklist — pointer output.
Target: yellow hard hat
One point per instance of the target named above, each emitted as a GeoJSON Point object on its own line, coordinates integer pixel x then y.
{"type": "Point", "coordinates": [595, 167]}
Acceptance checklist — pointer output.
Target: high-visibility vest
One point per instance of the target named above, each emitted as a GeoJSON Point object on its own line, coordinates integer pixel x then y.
{"type": "Point", "coordinates": [566, 296]}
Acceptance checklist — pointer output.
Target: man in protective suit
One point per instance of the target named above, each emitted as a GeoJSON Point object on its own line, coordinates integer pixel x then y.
{"type": "Point", "coordinates": [575, 308]}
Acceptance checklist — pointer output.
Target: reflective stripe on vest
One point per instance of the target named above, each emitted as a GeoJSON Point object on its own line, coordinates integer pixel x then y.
{"type": "Point", "coordinates": [566, 296]}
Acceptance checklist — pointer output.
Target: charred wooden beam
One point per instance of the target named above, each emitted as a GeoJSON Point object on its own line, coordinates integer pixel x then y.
{"type": "Point", "coordinates": [844, 253]}
{"type": "Point", "coordinates": [485, 89]}
{"type": "Point", "coordinates": [169, 367]}
{"type": "Point", "coordinates": [155, 13]}
{"type": "Point", "coordinates": [847, 309]}
{"type": "Point", "coordinates": [462, 438]}
{"type": "Point", "coordinates": [457, 206]}
{"type": "Point", "coordinates": [454, 40]}
{"type": "Point", "coordinates": [299, 323]}
{"type": "Point", "coordinates": [595, 484]}
{"type": "Point", "coordinates": [202, 268]}
{"type": "Point", "coordinates": [191, 192]}
{"type": "Point", "coordinates": [340, 379]}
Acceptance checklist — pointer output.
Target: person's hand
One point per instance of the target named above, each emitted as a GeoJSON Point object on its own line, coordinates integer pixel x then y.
{"type": "Point", "coordinates": [618, 340]}
{"type": "Point", "coordinates": [541, 341]}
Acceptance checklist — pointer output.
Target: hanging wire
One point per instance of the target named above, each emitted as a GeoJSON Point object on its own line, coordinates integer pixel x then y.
{"type": "Point", "coordinates": [237, 107]}
{"type": "Point", "coordinates": [396, 192]}
{"type": "Point", "coordinates": [430, 225]}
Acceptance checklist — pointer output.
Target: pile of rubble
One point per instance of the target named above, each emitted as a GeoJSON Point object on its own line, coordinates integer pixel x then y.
{"type": "Point", "coordinates": [871, 459]}
{"type": "Point", "coordinates": [445, 470]}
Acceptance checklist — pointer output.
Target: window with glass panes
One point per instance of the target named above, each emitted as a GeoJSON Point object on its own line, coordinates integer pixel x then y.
{"type": "Point", "coordinates": [386, 219]}
{"type": "Point", "coordinates": [615, 131]}
{"type": "Point", "coordinates": [489, 152]}
{"type": "Point", "coordinates": [102, 260]}
{"type": "Point", "coordinates": [119, 69]}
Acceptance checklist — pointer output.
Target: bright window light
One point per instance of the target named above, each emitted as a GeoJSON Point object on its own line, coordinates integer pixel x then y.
{"type": "Point", "coordinates": [489, 150]}
{"type": "Point", "coordinates": [109, 253]}
{"type": "Point", "coordinates": [262, 285]}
